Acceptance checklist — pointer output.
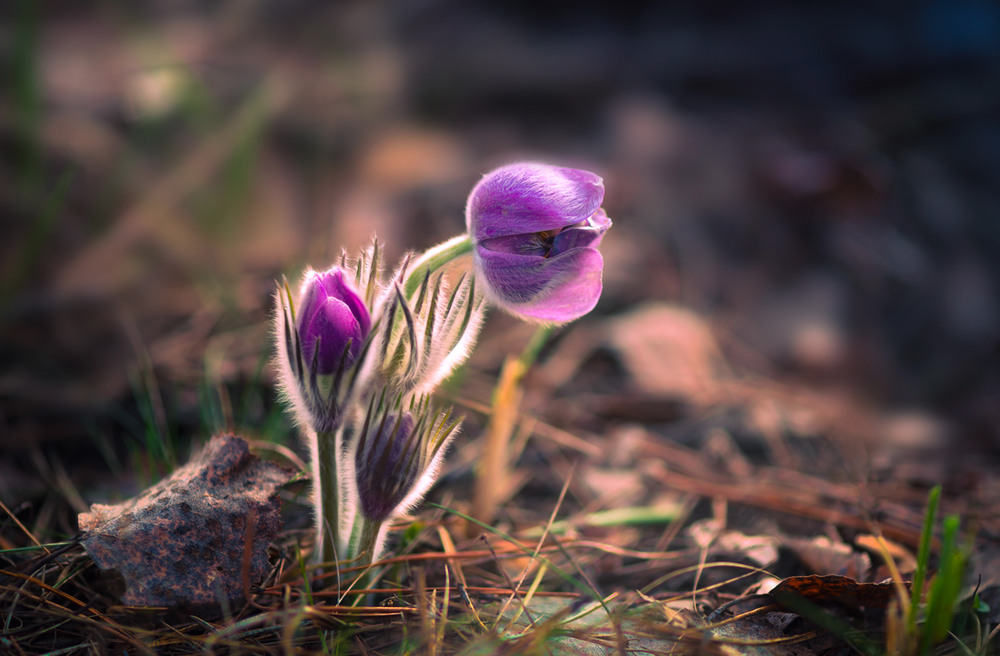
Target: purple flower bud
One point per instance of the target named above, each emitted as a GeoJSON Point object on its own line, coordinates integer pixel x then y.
{"type": "Point", "coordinates": [330, 315]}
{"type": "Point", "coordinates": [536, 229]}
{"type": "Point", "coordinates": [387, 465]}
{"type": "Point", "coordinates": [396, 454]}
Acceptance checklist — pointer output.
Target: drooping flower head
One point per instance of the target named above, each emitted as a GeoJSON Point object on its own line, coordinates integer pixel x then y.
{"type": "Point", "coordinates": [535, 230]}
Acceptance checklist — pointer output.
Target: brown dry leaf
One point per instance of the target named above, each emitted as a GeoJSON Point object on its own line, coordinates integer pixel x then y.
{"type": "Point", "coordinates": [761, 550]}
{"type": "Point", "coordinates": [669, 351]}
{"type": "Point", "coordinates": [984, 570]}
{"type": "Point", "coordinates": [197, 537]}
{"type": "Point", "coordinates": [764, 636]}
{"type": "Point", "coordinates": [833, 589]}
{"type": "Point", "coordinates": [905, 559]}
{"type": "Point", "coordinates": [823, 555]}
{"type": "Point", "coordinates": [761, 634]}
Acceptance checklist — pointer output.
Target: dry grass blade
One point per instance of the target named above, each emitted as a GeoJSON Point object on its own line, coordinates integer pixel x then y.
{"type": "Point", "coordinates": [21, 526]}
{"type": "Point", "coordinates": [47, 614]}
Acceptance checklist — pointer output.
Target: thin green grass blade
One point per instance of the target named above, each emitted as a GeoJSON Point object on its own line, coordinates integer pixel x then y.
{"type": "Point", "coordinates": [945, 589]}
{"type": "Point", "coordinates": [923, 555]}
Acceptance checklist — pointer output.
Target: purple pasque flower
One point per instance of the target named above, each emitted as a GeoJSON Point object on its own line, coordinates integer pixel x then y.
{"type": "Point", "coordinates": [535, 230]}
{"type": "Point", "coordinates": [332, 321]}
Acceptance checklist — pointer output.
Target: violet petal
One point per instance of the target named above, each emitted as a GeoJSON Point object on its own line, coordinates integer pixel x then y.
{"type": "Point", "coordinates": [554, 289]}
{"type": "Point", "coordinates": [529, 198]}
{"type": "Point", "coordinates": [330, 315]}
{"type": "Point", "coordinates": [587, 234]}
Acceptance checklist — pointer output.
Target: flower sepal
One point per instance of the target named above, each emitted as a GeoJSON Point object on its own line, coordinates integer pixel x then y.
{"type": "Point", "coordinates": [428, 333]}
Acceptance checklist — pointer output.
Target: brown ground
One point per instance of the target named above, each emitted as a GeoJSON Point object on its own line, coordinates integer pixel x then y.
{"type": "Point", "coordinates": [798, 336]}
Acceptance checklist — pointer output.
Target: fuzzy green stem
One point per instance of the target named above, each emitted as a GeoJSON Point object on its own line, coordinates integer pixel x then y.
{"type": "Point", "coordinates": [361, 546]}
{"type": "Point", "coordinates": [327, 487]}
{"type": "Point", "coordinates": [433, 259]}
{"type": "Point", "coordinates": [534, 347]}
{"type": "Point", "coordinates": [363, 537]}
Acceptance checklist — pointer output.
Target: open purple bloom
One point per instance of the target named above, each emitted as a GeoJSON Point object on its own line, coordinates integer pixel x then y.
{"type": "Point", "coordinates": [331, 315]}
{"type": "Point", "coordinates": [535, 230]}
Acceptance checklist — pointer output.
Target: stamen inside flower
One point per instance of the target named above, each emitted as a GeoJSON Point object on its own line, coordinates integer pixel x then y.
{"type": "Point", "coordinates": [553, 242]}
{"type": "Point", "coordinates": [546, 241]}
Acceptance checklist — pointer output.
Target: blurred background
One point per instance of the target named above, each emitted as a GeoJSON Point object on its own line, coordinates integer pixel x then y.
{"type": "Point", "coordinates": [806, 200]}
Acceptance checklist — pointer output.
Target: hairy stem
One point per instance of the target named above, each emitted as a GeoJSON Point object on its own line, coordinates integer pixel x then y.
{"type": "Point", "coordinates": [361, 548]}
{"type": "Point", "coordinates": [325, 475]}
{"type": "Point", "coordinates": [433, 259]}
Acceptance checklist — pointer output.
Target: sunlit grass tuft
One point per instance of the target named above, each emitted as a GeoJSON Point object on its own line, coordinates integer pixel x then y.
{"type": "Point", "coordinates": [925, 616]}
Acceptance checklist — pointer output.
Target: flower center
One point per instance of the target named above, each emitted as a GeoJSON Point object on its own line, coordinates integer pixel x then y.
{"type": "Point", "coordinates": [546, 241]}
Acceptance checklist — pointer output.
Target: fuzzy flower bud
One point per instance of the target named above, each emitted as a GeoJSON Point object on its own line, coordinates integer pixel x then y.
{"type": "Point", "coordinates": [535, 230]}
{"type": "Point", "coordinates": [321, 338]}
{"type": "Point", "coordinates": [396, 456]}
{"type": "Point", "coordinates": [332, 319]}
{"type": "Point", "coordinates": [428, 335]}
{"type": "Point", "coordinates": [382, 472]}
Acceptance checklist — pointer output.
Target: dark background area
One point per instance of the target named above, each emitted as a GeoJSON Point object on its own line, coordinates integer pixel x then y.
{"type": "Point", "coordinates": [818, 182]}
